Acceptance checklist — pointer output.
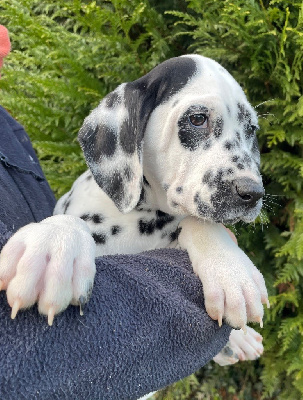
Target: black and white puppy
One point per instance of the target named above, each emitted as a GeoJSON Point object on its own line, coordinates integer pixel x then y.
{"type": "Point", "coordinates": [171, 156]}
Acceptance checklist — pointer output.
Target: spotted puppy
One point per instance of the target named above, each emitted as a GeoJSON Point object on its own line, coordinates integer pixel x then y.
{"type": "Point", "coordinates": [171, 156]}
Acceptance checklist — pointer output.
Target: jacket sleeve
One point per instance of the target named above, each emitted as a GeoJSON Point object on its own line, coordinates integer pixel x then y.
{"type": "Point", "coordinates": [144, 328]}
{"type": "Point", "coordinates": [5, 234]}
{"type": "Point", "coordinates": [25, 194]}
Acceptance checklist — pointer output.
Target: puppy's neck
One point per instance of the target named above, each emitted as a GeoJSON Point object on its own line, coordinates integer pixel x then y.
{"type": "Point", "coordinates": [153, 196]}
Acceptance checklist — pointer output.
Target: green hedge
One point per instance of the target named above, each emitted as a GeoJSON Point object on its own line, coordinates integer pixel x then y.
{"type": "Point", "coordinates": [68, 54]}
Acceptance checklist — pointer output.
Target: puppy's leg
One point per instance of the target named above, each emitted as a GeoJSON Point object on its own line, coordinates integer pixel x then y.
{"type": "Point", "coordinates": [233, 287]}
{"type": "Point", "coordinates": [51, 263]}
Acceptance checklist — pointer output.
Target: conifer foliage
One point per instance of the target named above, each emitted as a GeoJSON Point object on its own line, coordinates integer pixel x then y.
{"type": "Point", "coordinates": [68, 54]}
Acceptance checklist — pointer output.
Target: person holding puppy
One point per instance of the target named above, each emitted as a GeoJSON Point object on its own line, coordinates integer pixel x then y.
{"type": "Point", "coordinates": [141, 330]}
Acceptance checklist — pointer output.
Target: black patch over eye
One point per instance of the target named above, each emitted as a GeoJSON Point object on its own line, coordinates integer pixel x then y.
{"type": "Point", "coordinates": [193, 127]}
{"type": "Point", "coordinates": [200, 120]}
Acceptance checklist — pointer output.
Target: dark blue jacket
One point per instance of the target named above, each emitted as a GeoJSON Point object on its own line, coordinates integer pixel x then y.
{"type": "Point", "coordinates": [144, 327]}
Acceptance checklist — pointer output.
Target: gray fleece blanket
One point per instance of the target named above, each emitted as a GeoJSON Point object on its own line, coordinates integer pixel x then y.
{"type": "Point", "coordinates": [144, 328]}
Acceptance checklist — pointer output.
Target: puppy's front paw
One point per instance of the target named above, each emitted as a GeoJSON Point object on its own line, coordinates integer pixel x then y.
{"type": "Point", "coordinates": [51, 262]}
{"type": "Point", "coordinates": [241, 347]}
{"type": "Point", "coordinates": [233, 287]}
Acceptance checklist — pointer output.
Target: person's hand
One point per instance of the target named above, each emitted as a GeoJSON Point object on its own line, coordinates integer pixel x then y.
{"type": "Point", "coordinates": [5, 44]}
{"type": "Point", "coordinates": [51, 263]}
{"type": "Point", "coordinates": [231, 234]}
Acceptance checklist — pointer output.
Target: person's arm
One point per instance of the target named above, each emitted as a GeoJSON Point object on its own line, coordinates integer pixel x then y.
{"type": "Point", "coordinates": [5, 234]}
{"type": "Point", "coordinates": [144, 328]}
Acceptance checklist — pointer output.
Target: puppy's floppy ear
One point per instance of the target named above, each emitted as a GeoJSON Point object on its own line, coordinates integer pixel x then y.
{"type": "Point", "coordinates": [111, 137]}
{"type": "Point", "coordinates": [110, 140]}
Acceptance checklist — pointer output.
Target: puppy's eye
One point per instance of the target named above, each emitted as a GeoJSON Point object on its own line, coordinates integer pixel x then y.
{"type": "Point", "coordinates": [200, 120]}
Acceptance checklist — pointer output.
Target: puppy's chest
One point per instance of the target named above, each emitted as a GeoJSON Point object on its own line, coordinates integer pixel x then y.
{"type": "Point", "coordinates": [134, 232]}
{"type": "Point", "coordinates": [143, 228]}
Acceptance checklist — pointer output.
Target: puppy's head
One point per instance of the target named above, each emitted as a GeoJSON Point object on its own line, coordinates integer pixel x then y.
{"type": "Point", "coordinates": [188, 124]}
{"type": "Point", "coordinates": [112, 135]}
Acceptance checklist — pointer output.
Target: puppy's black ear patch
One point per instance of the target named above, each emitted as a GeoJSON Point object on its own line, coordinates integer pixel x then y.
{"type": "Point", "coordinates": [100, 141]}
{"type": "Point", "coordinates": [112, 135]}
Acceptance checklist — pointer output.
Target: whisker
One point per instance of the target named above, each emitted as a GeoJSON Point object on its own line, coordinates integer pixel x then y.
{"type": "Point", "coordinates": [269, 198]}
{"type": "Point", "coordinates": [264, 102]}
{"type": "Point", "coordinates": [262, 115]}
{"type": "Point", "coordinates": [274, 195]}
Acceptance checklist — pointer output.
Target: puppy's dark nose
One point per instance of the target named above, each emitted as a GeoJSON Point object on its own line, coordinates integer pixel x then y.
{"type": "Point", "coordinates": [248, 190]}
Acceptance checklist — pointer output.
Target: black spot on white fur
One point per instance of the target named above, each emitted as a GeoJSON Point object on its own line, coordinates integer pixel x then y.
{"type": "Point", "coordinates": [95, 218]}
{"type": "Point", "coordinates": [99, 237]}
{"type": "Point", "coordinates": [228, 145]}
{"type": "Point", "coordinates": [202, 208]}
{"type": "Point", "coordinates": [174, 235]}
{"type": "Point", "coordinates": [207, 145]}
{"type": "Point", "coordinates": [129, 135]}
{"type": "Point", "coordinates": [85, 217]}
{"type": "Point", "coordinates": [128, 173]}
{"type": "Point", "coordinates": [209, 179]}
{"type": "Point", "coordinates": [115, 229]}
{"type": "Point", "coordinates": [106, 143]}
{"type": "Point", "coordinates": [67, 202]}
{"type": "Point", "coordinates": [113, 99]}
{"type": "Point", "coordinates": [243, 161]}
{"type": "Point", "coordinates": [244, 117]}
{"type": "Point", "coordinates": [243, 114]}
{"type": "Point", "coordinates": [255, 145]}
{"type": "Point", "coordinates": [158, 222]}
{"type": "Point", "coordinates": [113, 186]}
{"type": "Point", "coordinates": [146, 227]}
{"type": "Point", "coordinates": [218, 127]}
{"type": "Point", "coordinates": [231, 145]}
{"type": "Point", "coordinates": [66, 206]}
